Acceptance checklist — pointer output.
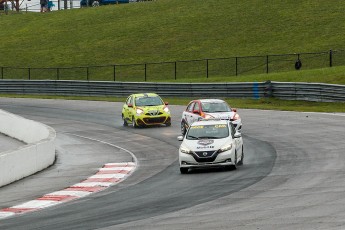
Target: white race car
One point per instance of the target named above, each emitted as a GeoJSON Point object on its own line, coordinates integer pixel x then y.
{"type": "Point", "coordinates": [210, 143]}
{"type": "Point", "coordinates": [209, 108]}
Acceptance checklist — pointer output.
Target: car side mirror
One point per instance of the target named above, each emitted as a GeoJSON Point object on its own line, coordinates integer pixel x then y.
{"type": "Point", "coordinates": [237, 135]}
{"type": "Point", "coordinates": [180, 138]}
{"type": "Point", "coordinates": [166, 103]}
{"type": "Point", "coordinates": [130, 105]}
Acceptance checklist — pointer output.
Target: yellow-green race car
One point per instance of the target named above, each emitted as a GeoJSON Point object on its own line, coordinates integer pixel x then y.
{"type": "Point", "coordinates": [145, 109]}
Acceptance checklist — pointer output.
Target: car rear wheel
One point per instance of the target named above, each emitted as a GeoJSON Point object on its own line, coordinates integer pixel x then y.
{"type": "Point", "coordinates": [184, 170]}
{"type": "Point", "coordinates": [168, 124]}
{"type": "Point", "coordinates": [95, 3]}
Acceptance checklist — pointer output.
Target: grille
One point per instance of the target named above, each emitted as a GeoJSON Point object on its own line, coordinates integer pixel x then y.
{"type": "Point", "coordinates": [153, 113]}
{"type": "Point", "coordinates": [153, 120]}
{"type": "Point", "coordinates": [210, 156]}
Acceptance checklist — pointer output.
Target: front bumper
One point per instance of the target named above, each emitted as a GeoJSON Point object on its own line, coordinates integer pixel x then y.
{"type": "Point", "coordinates": [222, 160]}
{"type": "Point", "coordinates": [152, 120]}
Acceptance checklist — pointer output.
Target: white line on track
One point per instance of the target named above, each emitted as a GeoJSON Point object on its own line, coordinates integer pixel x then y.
{"type": "Point", "coordinates": [109, 175]}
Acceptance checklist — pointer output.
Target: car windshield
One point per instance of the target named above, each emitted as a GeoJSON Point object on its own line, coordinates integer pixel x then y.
{"type": "Point", "coordinates": [148, 101]}
{"type": "Point", "coordinates": [217, 131]}
{"type": "Point", "coordinates": [215, 107]}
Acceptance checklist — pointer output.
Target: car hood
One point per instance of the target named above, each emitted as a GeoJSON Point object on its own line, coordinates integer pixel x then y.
{"type": "Point", "coordinates": [151, 109]}
{"type": "Point", "coordinates": [205, 144]}
{"type": "Point", "coordinates": [222, 115]}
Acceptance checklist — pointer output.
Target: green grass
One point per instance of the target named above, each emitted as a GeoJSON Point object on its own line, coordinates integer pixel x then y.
{"type": "Point", "coordinates": [334, 75]}
{"type": "Point", "coordinates": [169, 30]}
{"type": "Point", "coordinates": [172, 30]}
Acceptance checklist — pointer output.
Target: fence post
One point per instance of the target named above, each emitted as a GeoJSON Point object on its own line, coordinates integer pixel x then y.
{"type": "Point", "coordinates": [298, 63]}
{"type": "Point", "coordinates": [2, 72]}
{"type": "Point", "coordinates": [175, 70]}
{"type": "Point", "coordinates": [267, 64]}
{"type": "Point", "coordinates": [87, 73]}
{"type": "Point", "coordinates": [236, 66]}
{"type": "Point", "coordinates": [145, 71]}
{"type": "Point", "coordinates": [57, 73]}
{"type": "Point", "coordinates": [114, 72]}
{"type": "Point", "coordinates": [29, 73]}
{"type": "Point", "coordinates": [206, 68]}
{"type": "Point", "coordinates": [330, 58]}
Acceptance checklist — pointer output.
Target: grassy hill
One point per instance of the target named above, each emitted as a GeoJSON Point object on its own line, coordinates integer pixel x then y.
{"type": "Point", "coordinates": [169, 30]}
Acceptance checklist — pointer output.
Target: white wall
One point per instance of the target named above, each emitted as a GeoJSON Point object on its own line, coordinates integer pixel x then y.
{"type": "Point", "coordinates": [38, 154]}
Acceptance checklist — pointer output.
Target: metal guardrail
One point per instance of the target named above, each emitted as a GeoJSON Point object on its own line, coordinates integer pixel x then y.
{"type": "Point", "coordinates": [309, 91]}
{"type": "Point", "coordinates": [123, 89]}
{"type": "Point", "coordinates": [283, 90]}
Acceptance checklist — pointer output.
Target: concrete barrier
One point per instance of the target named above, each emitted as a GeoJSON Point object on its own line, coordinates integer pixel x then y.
{"type": "Point", "coordinates": [38, 154]}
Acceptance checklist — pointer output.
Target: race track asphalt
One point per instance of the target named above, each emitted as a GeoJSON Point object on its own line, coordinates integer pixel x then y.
{"type": "Point", "coordinates": [292, 177]}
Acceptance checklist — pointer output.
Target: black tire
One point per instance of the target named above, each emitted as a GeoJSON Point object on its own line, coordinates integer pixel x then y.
{"type": "Point", "coordinates": [183, 128]}
{"type": "Point", "coordinates": [124, 121]}
{"type": "Point", "coordinates": [184, 170]}
{"type": "Point", "coordinates": [168, 124]}
{"type": "Point", "coordinates": [242, 158]}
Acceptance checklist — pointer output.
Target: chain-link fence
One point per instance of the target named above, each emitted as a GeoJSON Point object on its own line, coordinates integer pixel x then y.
{"type": "Point", "coordinates": [191, 69]}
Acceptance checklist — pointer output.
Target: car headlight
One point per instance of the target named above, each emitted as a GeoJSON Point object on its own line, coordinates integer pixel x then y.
{"type": "Point", "coordinates": [166, 109]}
{"type": "Point", "coordinates": [184, 149]}
{"type": "Point", "coordinates": [139, 111]}
{"type": "Point", "coordinates": [208, 116]}
{"type": "Point", "coordinates": [225, 148]}
{"type": "Point", "coordinates": [236, 117]}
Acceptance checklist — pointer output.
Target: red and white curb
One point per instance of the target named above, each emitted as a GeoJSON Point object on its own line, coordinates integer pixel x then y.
{"type": "Point", "coordinates": [110, 174]}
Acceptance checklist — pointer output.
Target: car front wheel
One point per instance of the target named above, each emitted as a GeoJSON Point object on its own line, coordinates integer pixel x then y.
{"type": "Point", "coordinates": [134, 123]}
{"type": "Point", "coordinates": [233, 167]}
{"type": "Point", "coordinates": [124, 121]}
{"type": "Point", "coordinates": [184, 170]}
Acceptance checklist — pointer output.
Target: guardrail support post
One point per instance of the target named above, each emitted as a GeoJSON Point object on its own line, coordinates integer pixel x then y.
{"type": "Point", "coordinates": [206, 68]}
{"type": "Point", "coordinates": [2, 72]}
{"type": "Point", "coordinates": [145, 71]}
{"type": "Point", "coordinates": [268, 90]}
{"type": "Point", "coordinates": [330, 58]}
{"type": "Point", "coordinates": [57, 73]}
{"type": "Point", "coordinates": [267, 64]}
{"type": "Point", "coordinates": [29, 73]}
{"type": "Point", "coordinates": [256, 90]}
